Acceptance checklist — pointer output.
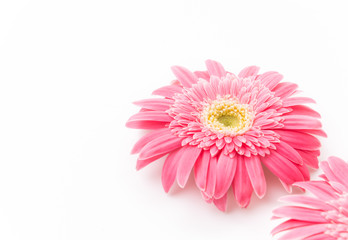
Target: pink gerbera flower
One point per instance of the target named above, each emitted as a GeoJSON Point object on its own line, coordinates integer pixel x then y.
{"type": "Point", "coordinates": [223, 127]}
{"type": "Point", "coordinates": [323, 217]}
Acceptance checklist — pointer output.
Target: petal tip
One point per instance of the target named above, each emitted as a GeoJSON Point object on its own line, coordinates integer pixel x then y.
{"type": "Point", "coordinates": [260, 195]}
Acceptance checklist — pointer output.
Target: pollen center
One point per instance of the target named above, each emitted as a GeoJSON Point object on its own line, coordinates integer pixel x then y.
{"type": "Point", "coordinates": [227, 116]}
{"type": "Point", "coordinates": [229, 120]}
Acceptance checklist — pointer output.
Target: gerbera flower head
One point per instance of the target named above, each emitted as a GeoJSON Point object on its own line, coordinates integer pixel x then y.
{"type": "Point", "coordinates": [324, 216]}
{"type": "Point", "coordinates": [225, 127]}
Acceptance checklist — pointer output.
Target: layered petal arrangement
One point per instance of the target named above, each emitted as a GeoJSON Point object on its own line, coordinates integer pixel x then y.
{"type": "Point", "coordinates": [224, 127]}
{"type": "Point", "coordinates": [323, 216]}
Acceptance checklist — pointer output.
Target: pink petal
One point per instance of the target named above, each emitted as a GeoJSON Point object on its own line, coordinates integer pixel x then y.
{"type": "Point", "coordinates": [300, 213]}
{"type": "Point", "coordinates": [214, 150]}
{"type": "Point", "coordinates": [303, 110]}
{"type": "Point", "coordinates": [201, 170]}
{"type": "Point", "coordinates": [249, 71]}
{"type": "Point", "coordinates": [321, 236]}
{"type": "Point", "coordinates": [296, 101]}
{"type": "Point", "coordinates": [329, 174]}
{"type": "Point", "coordinates": [300, 122]}
{"type": "Point", "coordinates": [319, 188]}
{"type": "Point", "coordinates": [306, 200]}
{"type": "Point", "coordinates": [169, 169]}
{"type": "Point", "coordinates": [241, 184]}
{"type": "Point", "coordinates": [323, 176]}
{"type": "Point", "coordinates": [303, 232]}
{"type": "Point", "coordinates": [237, 142]}
{"type": "Point", "coordinates": [156, 116]}
{"type": "Point", "coordinates": [206, 197]}
{"type": "Point", "coordinates": [270, 79]}
{"type": "Point", "coordinates": [340, 168]}
{"type": "Point", "coordinates": [221, 203]}
{"type": "Point", "coordinates": [168, 91]}
{"type": "Point", "coordinates": [318, 132]}
{"type": "Point", "coordinates": [186, 163]}
{"type": "Point", "coordinates": [156, 104]}
{"type": "Point", "coordinates": [299, 140]}
{"type": "Point", "coordinates": [164, 144]}
{"type": "Point", "coordinates": [282, 168]}
{"type": "Point", "coordinates": [310, 158]}
{"type": "Point", "coordinates": [214, 83]}
{"type": "Point", "coordinates": [287, 187]}
{"type": "Point", "coordinates": [148, 138]}
{"type": "Point", "coordinates": [289, 152]}
{"type": "Point", "coordinates": [146, 124]}
{"type": "Point", "coordinates": [339, 188]}
{"type": "Point", "coordinates": [225, 170]}
{"type": "Point", "coordinates": [304, 170]}
{"type": "Point", "coordinates": [256, 175]}
{"type": "Point", "coordinates": [202, 74]}
{"type": "Point", "coordinates": [285, 89]}
{"type": "Point", "coordinates": [185, 77]}
{"type": "Point", "coordinates": [211, 179]}
{"type": "Point", "coordinates": [143, 163]}
{"type": "Point", "coordinates": [215, 68]}
{"type": "Point", "coordinates": [289, 224]}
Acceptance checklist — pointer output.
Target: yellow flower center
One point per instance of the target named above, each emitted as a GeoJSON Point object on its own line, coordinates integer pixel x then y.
{"type": "Point", "coordinates": [227, 116]}
{"type": "Point", "coordinates": [229, 120]}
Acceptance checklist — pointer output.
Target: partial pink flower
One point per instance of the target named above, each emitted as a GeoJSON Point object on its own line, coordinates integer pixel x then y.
{"type": "Point", "coordinates": [322, 217]}
{"type": "Point", "coordinates": [224, 127]}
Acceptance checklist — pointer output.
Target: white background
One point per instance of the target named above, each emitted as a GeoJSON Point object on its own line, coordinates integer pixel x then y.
{"type": "Point", "coordinates": [69, 71]}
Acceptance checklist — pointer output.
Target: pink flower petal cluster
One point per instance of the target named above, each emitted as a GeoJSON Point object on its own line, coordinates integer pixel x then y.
{"type": "Point", "coordinates": [224, 127]}
{"type": "Point", "coordinates": [323, 216]}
